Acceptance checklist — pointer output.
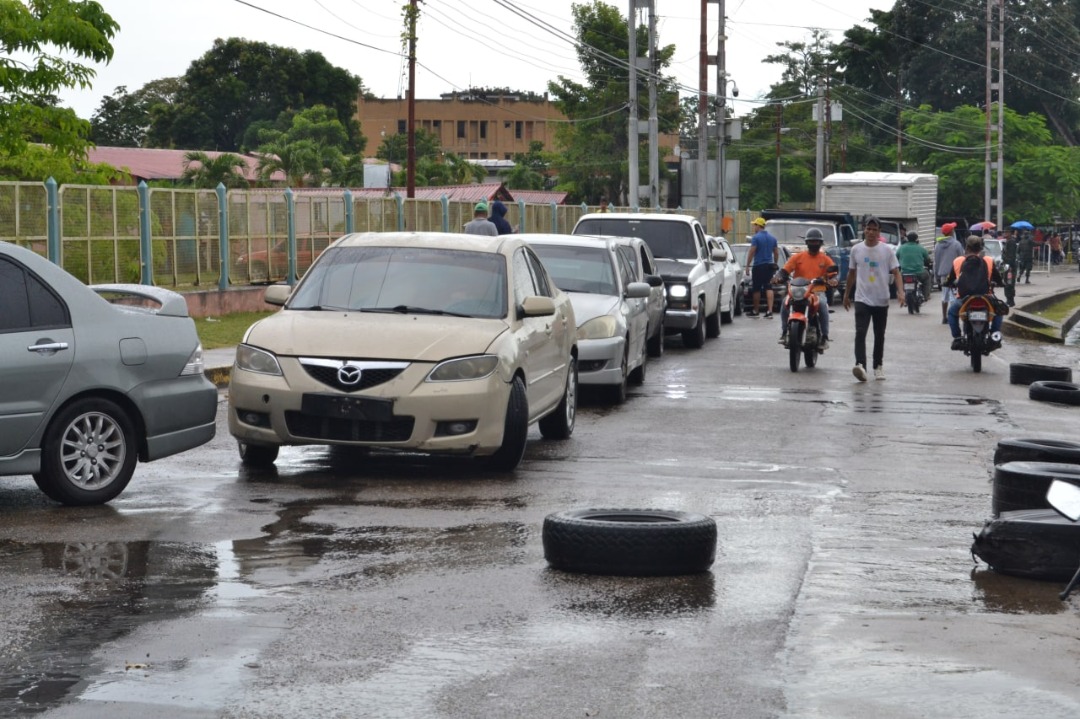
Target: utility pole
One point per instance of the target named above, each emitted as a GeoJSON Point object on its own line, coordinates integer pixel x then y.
{"type": "Point", "coordinates": [654, 123]}
{"type": "Point", "coordinates": [410, 166]}
{"type": "Point", "coordinates": [779, 132]}
{"type": "Point", "coordinates": [703, 120]}
{"type": "Point", "coordinates": [721, 118]}
{"type": "Point", "coordinates": [632, 129]}
{"type": "Point", "coordinates": [995, 81]}
{"type": "Point", "coordinates": [820, 164]}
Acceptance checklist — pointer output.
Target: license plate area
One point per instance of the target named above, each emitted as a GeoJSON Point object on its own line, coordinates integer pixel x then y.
{"type": "Point", "coordinates": [909, 286]}
{"type": "Point", "coordinates": [977, 316]}
{"type": "Point", "coordinates": [374, 409]}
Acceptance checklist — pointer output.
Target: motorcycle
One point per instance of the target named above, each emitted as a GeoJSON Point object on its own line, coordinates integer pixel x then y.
{"type": "Point", "coordinates": [977, 314]}
{"type": "Point", "coordinates": [804, 325]}
{"type": "Point", "coordinates": [913, 293]}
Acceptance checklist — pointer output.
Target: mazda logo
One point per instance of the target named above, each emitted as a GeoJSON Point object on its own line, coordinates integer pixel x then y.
{"type": "Point", "coordinates": [348, 375]}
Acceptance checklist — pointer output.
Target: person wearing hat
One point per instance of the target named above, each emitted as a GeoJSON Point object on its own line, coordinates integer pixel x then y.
{"type": "Point", "coordinates": [761, 262]}
{"type": "Point", "coordinates": [872, 262]}
{"type": "Point", "coordinates": [946, 249]}
{"type": "Point", "coordinates": [480, 224]}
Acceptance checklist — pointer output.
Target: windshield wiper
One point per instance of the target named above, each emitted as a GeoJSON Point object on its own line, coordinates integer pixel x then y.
{"type": "Point", "coordinates": [412, 310]}
{"type": "Point", "coordinates": [320, 308]}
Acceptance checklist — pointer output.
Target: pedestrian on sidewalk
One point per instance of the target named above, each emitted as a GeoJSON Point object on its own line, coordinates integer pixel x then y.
{"type": "Point", "coordinates": [1025, 249]}
{"type": "Point", "coordinates": [872, 263]}
{"type": "Point", "coordinates": [1009, 257]}
{"type": "Point", "coordinates": [762, 260]}
{"type": "Point", "coordinates": [946, 249]}
{"type": "Point", "coordinates": [480, 224]}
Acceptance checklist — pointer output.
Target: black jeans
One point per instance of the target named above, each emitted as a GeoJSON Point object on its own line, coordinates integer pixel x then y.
{"type": "Point", "coordinates": [864, 315]}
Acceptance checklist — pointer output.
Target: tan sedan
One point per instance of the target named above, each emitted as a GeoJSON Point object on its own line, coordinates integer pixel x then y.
{"type": "Point", "coordinates": [423, 341]}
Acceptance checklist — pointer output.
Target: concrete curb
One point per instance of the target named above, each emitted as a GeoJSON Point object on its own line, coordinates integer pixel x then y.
{"type": "Point", "coordinates": [1024, 322]}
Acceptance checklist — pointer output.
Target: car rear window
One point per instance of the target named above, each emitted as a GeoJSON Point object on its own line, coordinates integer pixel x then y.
{"type": "Point", "coordinates": [579, 269]}
{"type": "Point", "coordinates": [671, 240]}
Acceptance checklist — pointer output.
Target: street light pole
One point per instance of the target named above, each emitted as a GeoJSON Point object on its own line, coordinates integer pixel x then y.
{"type": "Point", "coordinates": [779, 124]}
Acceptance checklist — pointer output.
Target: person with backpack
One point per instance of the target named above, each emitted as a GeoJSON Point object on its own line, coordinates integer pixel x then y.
{"type": "Point", "coordinates": [971, 275]}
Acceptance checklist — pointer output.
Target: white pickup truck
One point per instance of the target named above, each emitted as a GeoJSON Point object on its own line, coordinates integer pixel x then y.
{"type": "Point", "coordinates": [693, 273]}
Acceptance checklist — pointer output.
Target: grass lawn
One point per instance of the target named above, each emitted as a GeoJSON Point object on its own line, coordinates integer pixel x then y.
{"type": "Point", "coordinates": [226, 330]}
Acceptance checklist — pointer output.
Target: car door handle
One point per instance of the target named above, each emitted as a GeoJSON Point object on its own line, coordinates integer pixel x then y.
{"type": "Point", "coordinates": [47, 347]}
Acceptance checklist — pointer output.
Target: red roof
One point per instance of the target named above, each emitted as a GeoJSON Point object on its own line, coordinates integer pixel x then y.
{"type": "Point", "coordinates": [144, 163]}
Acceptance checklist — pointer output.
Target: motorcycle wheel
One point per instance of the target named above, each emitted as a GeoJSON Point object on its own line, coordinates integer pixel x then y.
{"type": "Point", "coordinates": [795, 340]}
{"type": "Point", "coordinates": [976, 348]}
{"type": "Point", "coordinates": [810, 356]}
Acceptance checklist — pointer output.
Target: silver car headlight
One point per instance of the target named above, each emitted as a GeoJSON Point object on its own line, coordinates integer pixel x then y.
{"type": "Point", "coordinates": [256, 360]}
{"type": "Point", "coordinates": [194, 364]}
{"type": "Point", "coordinates": [598, 328]}
{"type": "Point", "coordinates": [464, 368]}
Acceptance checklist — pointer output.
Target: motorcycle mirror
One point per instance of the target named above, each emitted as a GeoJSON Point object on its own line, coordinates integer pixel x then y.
{"type": "Point", "coordinates": [1065, 498]}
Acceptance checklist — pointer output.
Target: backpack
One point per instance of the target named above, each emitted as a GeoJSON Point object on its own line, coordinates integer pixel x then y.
{"type": "Point", "coordinates": [974, 278]}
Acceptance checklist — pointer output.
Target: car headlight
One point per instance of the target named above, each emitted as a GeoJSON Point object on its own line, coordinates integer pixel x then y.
{"type": "Point", "coordinates": [598, 328]}
{"type": "Point", "coordinates": [678, 292]}
{"type": "Point", "coordinates": [464, 368]}
{"type": "Point", "coordinates": [256, 360]}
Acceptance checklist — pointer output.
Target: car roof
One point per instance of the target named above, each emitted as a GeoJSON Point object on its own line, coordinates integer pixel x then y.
{"type": "Point", "coordinates": [569, 240]}
{"type": "Point", "coordinates": [435, 240]}
{"type": "Point", "coordinates": [638, 216]}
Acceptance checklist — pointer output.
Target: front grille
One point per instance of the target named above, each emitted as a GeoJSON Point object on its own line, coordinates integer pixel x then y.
{"type": "Point", "coordinates": [372, 374]}
{"type": "Point", "coordinates": [333, 429]}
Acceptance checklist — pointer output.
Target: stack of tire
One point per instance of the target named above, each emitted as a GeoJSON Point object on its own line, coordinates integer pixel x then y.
{"type": "Point", "coordinates": [1046, 383]}
{"type": "Point", "coordinates": [1026, 537]}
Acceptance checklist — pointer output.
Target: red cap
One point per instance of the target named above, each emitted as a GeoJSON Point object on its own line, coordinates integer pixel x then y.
{"type": "Point", "coordinates": [948, 228]}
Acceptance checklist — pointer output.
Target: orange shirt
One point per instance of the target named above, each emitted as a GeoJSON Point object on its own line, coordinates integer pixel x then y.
{"type": "Point", "coordinates": [803, 264]}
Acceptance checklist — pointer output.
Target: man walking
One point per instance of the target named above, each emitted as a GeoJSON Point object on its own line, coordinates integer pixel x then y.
{"type": "Point", "coordinates": [946, 249]}
{"type": "Point", "coordinates": [1009, 256]}
{"type": "Point", "coordinates": [1025, 249]}
{"type": "Point", "coordinates": [480, 224]}
{"type": "Point", "coordinates": [762, 259]}
{"type": "Point", "coordinates": [872, 262]}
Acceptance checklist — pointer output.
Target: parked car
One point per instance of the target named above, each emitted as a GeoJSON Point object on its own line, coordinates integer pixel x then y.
{"type": "Point", "coordinates": [693, 273]}
{"type": "Point", "coordinates": [425, 341]}
{"type": "Point", "coordinates": [637, 253]}
{"type": "Point", "coordinates": [733, 275]}
{"type": "Point", "coordinates": [259, 264]}
{"type": "Point", "coordinates": [741, 251]}
{"type": "Point", "coordinates": [90, 387]}
{"type": "Point", "coordinates": [610, 306]}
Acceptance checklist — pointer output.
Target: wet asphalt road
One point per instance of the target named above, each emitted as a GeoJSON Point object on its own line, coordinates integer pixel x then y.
{"type": "Point", "coordinates": [346, 585]}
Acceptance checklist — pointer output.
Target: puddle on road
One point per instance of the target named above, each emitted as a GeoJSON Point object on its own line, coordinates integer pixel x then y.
{"type": "Point", "coordinates": [1003, 594]}
{"type": "Point", "coordinates": [633, 597]}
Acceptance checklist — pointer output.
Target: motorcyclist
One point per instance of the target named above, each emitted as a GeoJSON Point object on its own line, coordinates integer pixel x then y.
{"type": "Point", "coordinates": [914, 260]}
{"type": "Point", "coordinates": [811, 264]}
{"type": "Point", "coordinates": [974, 246]}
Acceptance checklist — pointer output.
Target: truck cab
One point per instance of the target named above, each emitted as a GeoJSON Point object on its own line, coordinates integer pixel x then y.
{"type": "Point", "coordinates": [838, 229]}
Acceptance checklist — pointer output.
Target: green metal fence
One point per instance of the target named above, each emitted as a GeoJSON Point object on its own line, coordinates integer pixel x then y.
{"type": "Point", "coordinates": [181, 238]}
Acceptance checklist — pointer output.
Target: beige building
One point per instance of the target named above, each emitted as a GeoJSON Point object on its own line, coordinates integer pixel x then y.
{"type": "Point", "coordinates": [489, 128]}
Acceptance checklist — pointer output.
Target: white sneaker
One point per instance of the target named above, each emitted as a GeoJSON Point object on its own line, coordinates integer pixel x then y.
{"type": "Point", "coordinates": [879, 372]}
{"type": "Point", "coordinates": [860, 372]}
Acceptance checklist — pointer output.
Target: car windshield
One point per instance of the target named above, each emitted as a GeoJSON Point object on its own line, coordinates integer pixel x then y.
{"type": "Point", "coordinates": [579, 269]}
{"type": "Point", "coordinates": [671, 240]}
{"type": "Point", "coordinates": [406, 279]}
{"type": "Point", "coordinates": [792, 233]}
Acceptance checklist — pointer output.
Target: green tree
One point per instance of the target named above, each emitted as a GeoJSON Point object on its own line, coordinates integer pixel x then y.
{"type": "Point", "coordinates": [394, 148]}
{"type": "Point", "coordinates": [312, 151]}
{"type": "Point", "coordinates": [530, 168]}
{"type": "Point", "coordinates": [123, 119]}
{"type": "Point", "coordinates": [239, 82]}
{"type": "Point", "coordinates": [41, 45]}
{"type": "Point", "coordinates": [207, 171]}
{"type": "Point", "coordinates": [595, 143]}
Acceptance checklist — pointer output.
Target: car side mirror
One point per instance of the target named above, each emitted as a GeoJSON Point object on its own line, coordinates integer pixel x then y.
{"type": "Point", "coordinates": [654, 280]}
{"type": "Point", "coordinates": [718, 255]}
{"type": "Point", "coordinates": [637, 290]}
{"type": "Point", "coordinates": [277, 294]}
{"type": "Point", "coordinates": [723, 254]}
{"type": "Point", "coordinates": [537, 306]}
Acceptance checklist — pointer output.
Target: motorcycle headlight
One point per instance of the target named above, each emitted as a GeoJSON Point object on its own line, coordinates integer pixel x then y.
{"type": "Point", "coordinates": [598, 328]}
{"type": "Point", "coordinates": [253, 359]}
{"type": "Point", "coordinates": [798, 292]}
{"type": "Point", "coordinates": [464, 368]}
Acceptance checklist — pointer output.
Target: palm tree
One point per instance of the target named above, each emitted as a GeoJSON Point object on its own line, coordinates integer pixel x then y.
{"type": "Point", "coordinates": [207, 171]}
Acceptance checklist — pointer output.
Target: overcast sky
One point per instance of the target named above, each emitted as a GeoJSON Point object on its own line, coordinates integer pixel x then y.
{"type": "Point", "coordinates": [482, 43]}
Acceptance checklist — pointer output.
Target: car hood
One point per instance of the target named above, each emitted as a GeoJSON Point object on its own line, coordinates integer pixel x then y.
{"type": "Point", "coordinates": [675, 269]}
{"type": "Point", "coordinates": [370, 335]}
{"type": "Point", "coordinates": [587, 305]}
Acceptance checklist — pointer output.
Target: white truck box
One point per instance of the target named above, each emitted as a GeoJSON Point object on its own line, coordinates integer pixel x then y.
{"type": "Point", "coordinates": [907, 197]}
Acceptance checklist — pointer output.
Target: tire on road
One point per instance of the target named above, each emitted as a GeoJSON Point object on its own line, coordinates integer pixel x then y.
{"type": "Point", "coordinates": [1026, 373]}
{"type": "Point", "coordinates": [1024, 449]}
{"type": "Point", "coordinates": [629, 542]}
{"type": "Point", "coordinates": [1050, 391]}
{"type": "Point", "coordinates": [1032, 543]}
{"type": "Point", "coordinates": [1023, 485]}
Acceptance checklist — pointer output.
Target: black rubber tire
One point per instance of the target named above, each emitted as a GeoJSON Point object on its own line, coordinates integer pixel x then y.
{"type": "Point", "coordinates": [1026, 373]}
{"type": "Point", "coordinates": [1037, 450]}
{"type": "Point", "coordinates": [616, 393]}
{"type": "Point", "coordinates": [259, 456]}
{"type": "Point", "coordinates": [795, 348]}
{"type": "Point", "coordinates": [637, 376]}
{"type": "Point", "coordinates": [1032, 543]}
{"type": "Point", "coordinates": [629, 542]}
{"type": "Point", "coordinates": [712, 322]}
{"type": "Point", "coordinates": [560, 423]}
{"type": "Point", "coordinates": [738, 301]}
{"type": "Point", "coordinates": [107, 462]}
{"type": "Point", "coordinates": [810, 356]}
{"type": "Point", "coordinates": [726, 318]}
{"type": "Point", "coordinates": [976, 352]}
{"type": "Point", "coordinates": [655, 344]}
{"type": "Point", "coordinates": [515, 431]}
{"type": "Point", "coordinates": [1023, 485]}
{"type": "Point", "coordinates": [695, 338]}
{"type": "Point", "coordinates": [1060, 392]}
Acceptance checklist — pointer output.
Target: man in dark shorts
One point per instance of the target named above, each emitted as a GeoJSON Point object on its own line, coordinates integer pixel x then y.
{"type": "Point", "coordinates": [762, 261]}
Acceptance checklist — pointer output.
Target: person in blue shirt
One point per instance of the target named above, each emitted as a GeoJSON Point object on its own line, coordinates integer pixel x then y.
{"type": "Point", "coordinates": [761, 262]}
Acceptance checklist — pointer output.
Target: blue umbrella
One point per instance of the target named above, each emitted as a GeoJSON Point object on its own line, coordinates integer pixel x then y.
{"type": "Point", "coordinates": [1022, 225]}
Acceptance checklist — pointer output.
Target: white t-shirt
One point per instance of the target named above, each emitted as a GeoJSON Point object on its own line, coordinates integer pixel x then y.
{"type": "Point", "coordinates": [873, 265]}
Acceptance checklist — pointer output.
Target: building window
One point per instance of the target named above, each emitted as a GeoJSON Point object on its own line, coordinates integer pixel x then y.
{"type": "Point", "coordinates": [461, 129]}
{"type": "Point", "coordinates": [437, 124]}
{"type": "Point", "coordinates": [483, 129]}
{"type": "Point", "coordinates": [517, 129]}
{"type": "Point", "coordinates": [402, 128]}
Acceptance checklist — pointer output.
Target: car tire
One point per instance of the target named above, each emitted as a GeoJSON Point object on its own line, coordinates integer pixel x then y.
{"type": "Point", "coordinates": [655, 344]}
{"type": "Point", "coordinates": [738, 302]}
{"type": "Point", "coordinates": [695, 338]}
{"type": "Point", "coordinates": [1026, 373]}
{"type": "Point", "coordinates": [560, 423]}
{"type": "Point", "coordinates": [617, 392]}
{"type": "Point", "coordinates": [1060, 392]}
{"type": "Point", "coordinates": [515, 431]}
{"type": "Point", "coordinates": [1037, 450]}
{"type": "Point", "coordinates": [637, 376]}
{"type": "Point", "coordinates": [712, 322]}
{"type": "Point", "coordinates": [258, 456]}
{"type": "Point", "coordinates": [1023, 485]}
{"type": "Point", "coordinates": [629, 542]}
{"type": "Point", "coordinates": [727, 317]}
{"type": "Point", "coordinates": [1031, 543]}
{"type": "Point", "coordinates": [109, 451]}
